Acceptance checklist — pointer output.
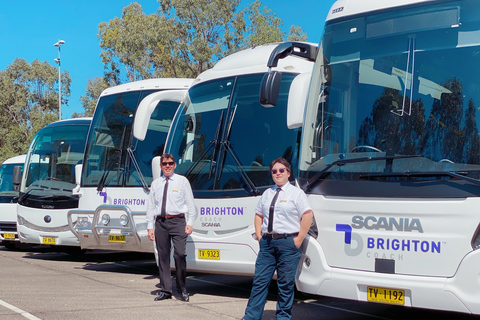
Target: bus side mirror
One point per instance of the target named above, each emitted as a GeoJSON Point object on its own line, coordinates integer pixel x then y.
{"type": "Point", "coordinates": [297, 100]}
{"type": "Point", "coordinates": [17, 177]}
{"type": "Point", "coordinates": [156, 171]}
{"type": "Point", "coordinates": [270, 89]}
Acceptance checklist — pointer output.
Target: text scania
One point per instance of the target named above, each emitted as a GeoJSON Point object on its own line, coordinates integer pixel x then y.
{"type": "Point", "coordinates": [389, 224]}
{"type": "Point", "coordinates": [221, 211]}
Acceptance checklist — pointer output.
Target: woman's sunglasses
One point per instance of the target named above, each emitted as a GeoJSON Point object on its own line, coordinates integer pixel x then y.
{"type": "Point", "coordinates": [282, 170]}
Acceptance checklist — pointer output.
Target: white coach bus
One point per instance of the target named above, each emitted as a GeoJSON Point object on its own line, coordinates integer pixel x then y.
{"type": "Point", "coordinates": [390, 155]}
{"type": "Point", "coordinates": [47, 183]}
{"type": "Point", "coordinates": [223, 141]}
{"type": "Point", "coordinates": [117, 168]}
{"type": "Point", "coordinates": [8, 201]}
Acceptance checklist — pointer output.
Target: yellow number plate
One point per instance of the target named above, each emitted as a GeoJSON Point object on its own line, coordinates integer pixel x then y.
{"type": "Point", "coordinates": [209, 254]}
{"type": "Point", "coordinates": [9, 236]}
{"type": "Point", "coordinates": [49, 240]}
{"type": "Point", "coordinates": [384, 295]}
{"type": "Point", "coordinates": [116, 238]}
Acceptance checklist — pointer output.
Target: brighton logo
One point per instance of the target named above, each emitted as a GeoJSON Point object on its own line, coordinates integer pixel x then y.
{"type": "Point", "coordinates": [355, 243]}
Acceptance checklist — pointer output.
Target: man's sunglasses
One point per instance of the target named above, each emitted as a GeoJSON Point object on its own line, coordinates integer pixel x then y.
{"type": "Point", "coordinates": [170, 163]}
{"type": "Point", "coordinates": [282, 170]}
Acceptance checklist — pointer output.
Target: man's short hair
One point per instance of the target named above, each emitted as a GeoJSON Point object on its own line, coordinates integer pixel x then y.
{"type": "Point", "coordinates": [167, 156]}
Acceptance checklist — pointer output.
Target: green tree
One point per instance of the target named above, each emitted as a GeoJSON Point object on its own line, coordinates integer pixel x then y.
{"type": "Point", "coordinates": [297, 34]}
{"type": "Point", "coordinates": [125, 41]}
{"type": "Point", "coordinates": [28, 102]}
{"type": "Point", "coordinates": [90, 99]}
{"type": "Point", "coordinates": [184, 38]}
{"type": "Point", "coordinates": [264, 26]}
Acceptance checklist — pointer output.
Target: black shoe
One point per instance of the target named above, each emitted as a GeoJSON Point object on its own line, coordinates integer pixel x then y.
{"type": "Point", "coordinates": [185, 296]}
{"type": "Point", "coordinates": [163, 296]}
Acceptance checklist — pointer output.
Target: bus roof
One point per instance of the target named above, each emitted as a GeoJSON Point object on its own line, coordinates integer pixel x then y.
{"type": "Point", "coordinates": [86, 120]}
{"type": "Point", "coordinates": [345, 8]}
{"type": "Point", "coordinates": [150, 84]}
{"type": "Point", "coordinates": [253, 60]}
{"type": "Point", "coordinates": [16, 160]}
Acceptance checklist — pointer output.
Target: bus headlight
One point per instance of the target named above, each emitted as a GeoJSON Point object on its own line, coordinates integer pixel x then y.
{"type": "Point", "coordinates": [476, 239]}
{"type": "Point", "coordinates": [105, 219]}
{"type": "Point", "coordinates": [124, 220]}
{"type": "Point", "coordinates": [21, 221]}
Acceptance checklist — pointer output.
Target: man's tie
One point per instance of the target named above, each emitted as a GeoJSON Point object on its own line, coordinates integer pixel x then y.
{"type": "Point", "coordinates": [164, 199]}
{"type": "Point", "coordinates": [272, 208]}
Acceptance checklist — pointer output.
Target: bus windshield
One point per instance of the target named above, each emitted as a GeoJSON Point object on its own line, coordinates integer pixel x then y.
{"type": "Point", "coordinates": [217, 136]}
{"type": "Point", "coordinates": [386, 103]}
{"type": "Point", "coordinates": [111, 148]}
{"type": "Point", "coordinates": [51, 160]}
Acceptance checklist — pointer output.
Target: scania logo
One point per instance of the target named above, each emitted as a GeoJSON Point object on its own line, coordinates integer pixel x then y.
{"type": "Point", "coordinates": [388, 224]}
{"type": "Point", "coordinates": [47, 219]}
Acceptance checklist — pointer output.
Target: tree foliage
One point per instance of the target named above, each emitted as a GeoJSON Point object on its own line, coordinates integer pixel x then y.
{"type": "Point", "coordinates": [184, 38]}
{"type": "Point", "coordinates": [90, 99]}
{"type": "Point", "coordinates": [28, 102]}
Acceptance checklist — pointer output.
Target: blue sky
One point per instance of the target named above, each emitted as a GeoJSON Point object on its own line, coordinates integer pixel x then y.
{"type": "Point", "coordinates": [30, 28]}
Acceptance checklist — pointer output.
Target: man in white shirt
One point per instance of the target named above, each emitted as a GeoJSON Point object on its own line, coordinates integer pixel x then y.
{"type": "Point", "coordinates": [283, 217]}
{"type": "Point", "coordinates": [170, 216]}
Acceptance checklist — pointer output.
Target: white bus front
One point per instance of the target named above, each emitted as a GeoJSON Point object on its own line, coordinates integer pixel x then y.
{"type": "Point", "coordinates": [117, 170]}
{"type": "Point", "coordinates": [224, 141]}
{"type": "Point", "coordinates": [390, 155]}
{"type": "Point", "coordinates": [47, 183]}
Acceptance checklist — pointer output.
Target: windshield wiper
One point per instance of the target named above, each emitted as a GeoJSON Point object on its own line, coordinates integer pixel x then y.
{"type": "Point", "coordinates": [27, 194]}
{"type": "Point", "coordinates": [451, 174]}
{"type": "Point", "coordinates": [212, 143]}
{"type": "Point", "coordinates": [341, 162]}
{"type": "Point", "coordinates": [252, 188]}
{"type": "Point", "coordinates": [137, 168]}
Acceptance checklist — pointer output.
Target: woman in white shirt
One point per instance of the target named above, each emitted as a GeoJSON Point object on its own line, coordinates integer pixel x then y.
{"type": "Point", "coordinates": [283, 217]}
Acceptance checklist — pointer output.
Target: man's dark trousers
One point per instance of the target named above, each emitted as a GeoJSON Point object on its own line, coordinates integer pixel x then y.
{"type": "Point", "coordinates": [173, 230]}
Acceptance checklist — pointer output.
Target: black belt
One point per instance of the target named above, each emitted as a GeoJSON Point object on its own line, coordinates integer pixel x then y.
{"type": "Point", "coordinates": [171, 216]}
{"type": "Point", "coordinates": [277, 236]}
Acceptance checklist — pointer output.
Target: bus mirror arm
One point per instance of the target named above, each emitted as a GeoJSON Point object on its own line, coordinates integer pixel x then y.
{"type": "Point", "coordinates": [270, 86]}
{"type": "Point", "coordinates": [148, 105]}
{"type": "Point", "coordinates": [299, 49]}
{"type": "Point", "coordinates": [78, 177]}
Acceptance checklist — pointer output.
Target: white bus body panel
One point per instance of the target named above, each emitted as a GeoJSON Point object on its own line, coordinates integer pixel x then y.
{"type": "Point", "coordinates": [332, 267]}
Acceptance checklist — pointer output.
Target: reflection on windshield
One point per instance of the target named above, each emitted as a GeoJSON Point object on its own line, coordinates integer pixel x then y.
{"type": "Point", "coordinates": [53, 155]}
{"type": "Point", "coordinates": [111, 148]}
{"type": "Point", "coordinates": [224, 139]}
{"type": "Point", "coordinates": [401, 92]}
{"type": "Point", "coordinates": [7, 189]}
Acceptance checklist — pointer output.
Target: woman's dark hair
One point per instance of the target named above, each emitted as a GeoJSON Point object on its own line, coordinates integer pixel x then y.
{"type": "Point", "coordinates": [281, 161]}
